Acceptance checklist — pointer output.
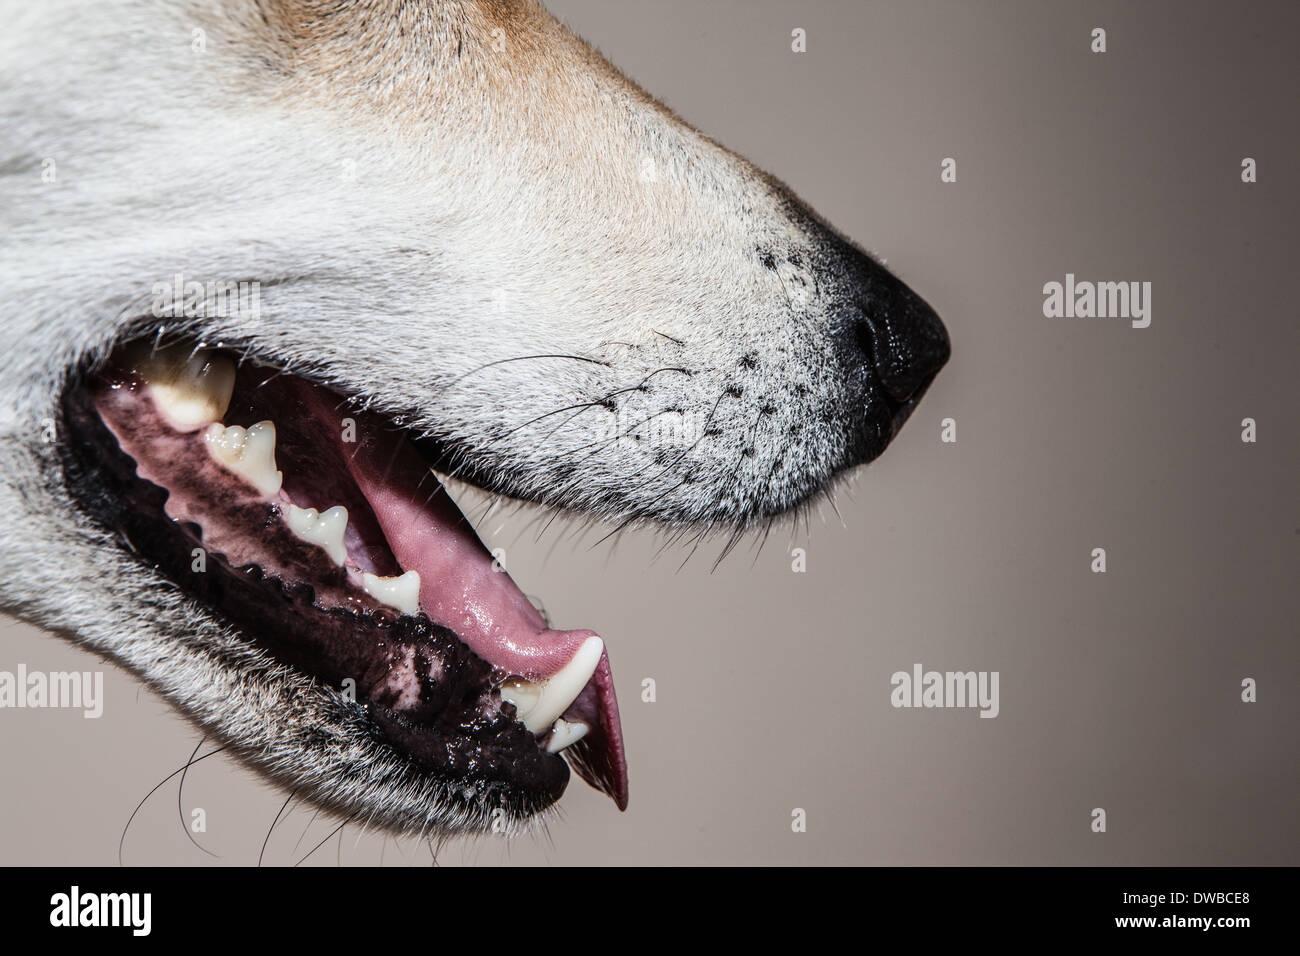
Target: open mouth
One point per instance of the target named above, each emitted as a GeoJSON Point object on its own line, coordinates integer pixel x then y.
{"type": "Point", "coordinates": [323, 535]}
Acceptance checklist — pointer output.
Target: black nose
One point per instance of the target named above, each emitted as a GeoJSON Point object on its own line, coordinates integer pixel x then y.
{"type": "Point", "coordinates": [892, 345]}
{"type": "Point", "coordinates": [900, 336]}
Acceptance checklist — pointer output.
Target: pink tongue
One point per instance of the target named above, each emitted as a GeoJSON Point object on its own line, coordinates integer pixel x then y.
{"type": "Point", "coordinates": [460, 590]}
{"type": "Point", "coordinates": [458, 587]}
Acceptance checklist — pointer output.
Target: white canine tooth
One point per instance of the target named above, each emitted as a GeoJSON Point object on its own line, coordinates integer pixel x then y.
{"type": "Point", "coordinates": [323, 529]}
{"type": "Point", "coordinates": [402, 592]}
{"type": "Point", "coordinates": [189, 390]}
{"type": "Point", "coordinates": [566, 734]}
{"type": "Point", "coordinates": [540, 703]}
{"type": "Point", "coordinates": [248, 452]}
{"type": "Point", "coordinates": [524, 695]}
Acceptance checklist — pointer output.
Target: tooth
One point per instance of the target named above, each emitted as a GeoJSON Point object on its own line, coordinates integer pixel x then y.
{"type": "Point", "coordinates": [249, 453]}
{"type": "Point", "coordinates": [524, 695]}
{"type": "Point", "coordinates": [323, 529]}
{"type": "Point", "coordinates": [190, 391]}
{"type": "Point", "coordinates": [540, 703]}
{"type": "Point", "coordinates": [566, 734]}
{"type": "Point", "coordinates": [401, 592]}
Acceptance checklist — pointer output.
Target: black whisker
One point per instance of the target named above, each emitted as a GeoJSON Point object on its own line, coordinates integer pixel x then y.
{"type": "Point", "coordinates": [121, 842]}
{"type": "Point", "coordinates": [324, 841]}
{"type": "Point", "coordinates": [526, 358]}
{"type": "Point", "coordinates": [284, 806]}
{"type": "Point", "coordinates": [180, 798]}
{"type": "Point", "coordinates": [304, 832]}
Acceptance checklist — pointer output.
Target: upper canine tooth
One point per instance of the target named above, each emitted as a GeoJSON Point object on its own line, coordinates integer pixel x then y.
{"type": "Point", "coordinates": [566, 734]}
{"type": "Point", "coordinates": [401, 592]}
{"type": "Point", "coordinates": [325, 529]}
{"type": "Point", "coordinates": [190, 390]}
{"type": "Point", "coordinates": [248, 452]}
{"type": "Point", "coordinates": [540, 703]}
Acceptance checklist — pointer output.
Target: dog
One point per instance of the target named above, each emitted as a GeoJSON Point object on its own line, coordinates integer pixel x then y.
{"type": "Point", "coordinates": [270, 264]}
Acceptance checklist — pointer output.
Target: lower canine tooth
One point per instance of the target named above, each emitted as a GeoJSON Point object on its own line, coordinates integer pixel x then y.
{"type": "Point", "coordinates": [248, 452]}
{"type": "Point", "coordinates": [540, 703]}
{"type": "Point", "coordinates": [401, 592]}
{"type": "Point", "coordinates": [323, 529]}
{"type": "Point", "coordinates": [189, 389]}
{"type": "Point", "coordinates": [566, 734]}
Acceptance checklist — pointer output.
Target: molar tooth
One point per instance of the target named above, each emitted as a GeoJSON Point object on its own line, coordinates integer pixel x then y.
{"type": "Point", "coordinates": [540, 703]}
{"type": "Point", "coordinates": [248, 452]}
{"type": "Point", "coordinates": [189, 390]}
{"type": "Point", "coordinates": [402, 592]}
{"type": "Point", "coordinates": [566, 734]}
{"type": "Point", "coordinates": [323, 529]}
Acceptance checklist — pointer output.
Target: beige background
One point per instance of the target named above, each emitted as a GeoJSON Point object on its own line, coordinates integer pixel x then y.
{"type": "Point", "coordinates": [1119, 690]}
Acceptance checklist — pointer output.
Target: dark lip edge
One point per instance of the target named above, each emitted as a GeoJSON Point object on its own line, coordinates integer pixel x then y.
{"type": "Point", "coordinates": [81, 378]}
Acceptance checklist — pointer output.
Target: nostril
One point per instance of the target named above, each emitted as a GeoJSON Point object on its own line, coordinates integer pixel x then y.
{"type": "Point", "coordinates": [866, 339]}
